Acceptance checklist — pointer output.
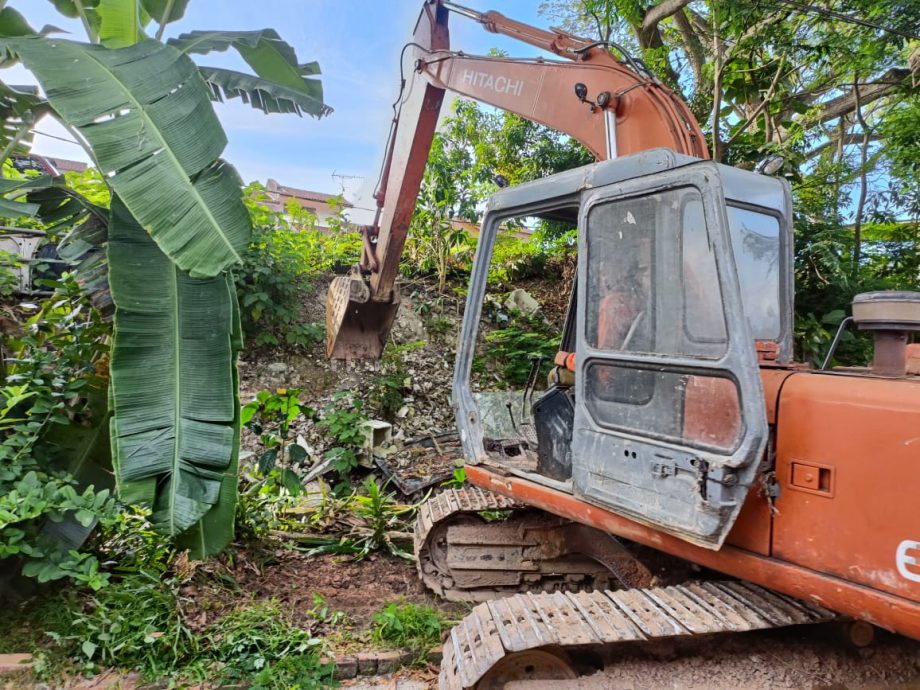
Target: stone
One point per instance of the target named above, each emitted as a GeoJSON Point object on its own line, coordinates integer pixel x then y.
{"type": "Point", "coordinates": [435, 654]}
{"type": "Point", "coordinates": [522, 301]}
{"type": "Point", "coordinates": [408, 326]}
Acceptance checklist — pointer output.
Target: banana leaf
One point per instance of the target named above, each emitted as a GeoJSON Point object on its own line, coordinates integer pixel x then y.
{"type": "Point", "coordinates": [215, 530]}
{"type": "Point", "coordinates": [147, 115]}
{"type": "Point", "coordinates": [280, 83]}
{"type": "Point", "coordinates": [175, 428]}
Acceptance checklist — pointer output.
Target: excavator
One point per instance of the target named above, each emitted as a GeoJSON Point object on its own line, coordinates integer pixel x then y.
{"type": "Point", "coordinates": [676, 423]}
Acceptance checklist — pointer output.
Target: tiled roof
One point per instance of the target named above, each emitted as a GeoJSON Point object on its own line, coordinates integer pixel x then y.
{"type": "Point", "coordinates": [280, 190]}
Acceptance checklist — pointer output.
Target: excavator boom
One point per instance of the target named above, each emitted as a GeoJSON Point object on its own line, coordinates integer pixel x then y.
{"type": "Point", "coordinates": [613, 106]}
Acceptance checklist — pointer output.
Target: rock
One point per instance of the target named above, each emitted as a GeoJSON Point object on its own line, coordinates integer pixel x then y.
{"type": "Point", "coordinates": [522, 301]}
{"type": "Point", "coordinates": [408, 326]}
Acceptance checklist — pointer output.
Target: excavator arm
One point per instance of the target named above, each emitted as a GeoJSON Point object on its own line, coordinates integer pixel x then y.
{"type": "Point", "coordinates": [613, 106]}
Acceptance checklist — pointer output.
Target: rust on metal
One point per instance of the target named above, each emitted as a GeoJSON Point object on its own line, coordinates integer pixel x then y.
{"type": "Point", "coordinates": [461, 557]}
{"type": "Point", "coordinates": [495, 638]}
{"type": "Point", "coordinates": [356, 325]}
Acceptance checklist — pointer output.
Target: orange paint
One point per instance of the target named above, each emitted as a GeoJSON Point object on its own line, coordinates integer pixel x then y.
{"type": "Point", "coordinates": [880, 608]}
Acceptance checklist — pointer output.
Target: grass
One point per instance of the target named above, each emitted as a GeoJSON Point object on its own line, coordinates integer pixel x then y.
{"type": "Point", "coordinates": [409, 626]}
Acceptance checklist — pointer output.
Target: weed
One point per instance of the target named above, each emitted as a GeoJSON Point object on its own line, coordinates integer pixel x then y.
{"type": "Point", "coordinates": [344, 422]}
{"type": "Point", "coordinates": [323, 615]}
{"type": "Point", "coordinates": [382, 515]}
{"type": "Point", "coordinates": [344, 419]}
{"type": "Point", "coordinates": [409, 626]}
{"type": "Point", "coordinates": [457, 480]}
{"type": "Point", "coordinates": [270, 416]}
{"type": "Point", "coordinates": [261, 505]}
{"type": "Point", "coordinates": [387, 390]}
{"type": "Point", "coordinates": [132, 624]}
{"type": "Point", "coordinates": [284, 256]}
{"type": "Point", "coordinates": [256, 644]}
{"type": "Point", "coordinates": [440, 326]}
{"type": "Point", "coordinates": [513, 349]}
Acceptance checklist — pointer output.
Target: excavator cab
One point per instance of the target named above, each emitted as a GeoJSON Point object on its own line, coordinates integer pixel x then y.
{"type": "Point", "coordinates": [682, 291]}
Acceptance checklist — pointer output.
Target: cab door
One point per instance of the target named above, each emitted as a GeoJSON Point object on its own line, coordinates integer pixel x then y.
{"type": "Point", "coordinates": [670, 421]}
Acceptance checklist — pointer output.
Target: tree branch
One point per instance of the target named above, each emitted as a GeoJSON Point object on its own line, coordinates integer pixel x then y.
{"type": "Point", "coordinates": [838, 143]}
{"type": "Point", "coordinates": [863, 182]}
{"type": "Point", "coordinates": [693, 44]}
{"type": "Point", "coordinates": [862, 95]}
{"type": "Point", "coordinates": [661, 11]}
{"type": "Point", "coordinates": [763, 104]}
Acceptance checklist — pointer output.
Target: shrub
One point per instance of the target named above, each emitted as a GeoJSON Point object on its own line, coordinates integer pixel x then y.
{"type": "Point", "coordinates": [53, 417]}
{"type": "Point", "coordinates": [256, 644]}
{"type": "Point", "coordinates": [409, 626]}
{"type": "Point", "coordinates": [512, 349]}
{"type": "Point", "coordinates": [285, 255]}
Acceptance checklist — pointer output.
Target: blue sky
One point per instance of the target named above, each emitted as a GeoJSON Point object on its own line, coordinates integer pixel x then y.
{"type": "Point", "coordinates": [357, 43]}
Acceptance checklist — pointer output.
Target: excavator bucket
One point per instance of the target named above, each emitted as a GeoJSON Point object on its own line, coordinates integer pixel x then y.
{"type": "Point", "coordinates": [356, 326]}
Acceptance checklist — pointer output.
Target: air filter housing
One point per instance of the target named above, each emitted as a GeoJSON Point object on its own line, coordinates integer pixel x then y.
{"type": "Point", "coordinates": [891, 316]}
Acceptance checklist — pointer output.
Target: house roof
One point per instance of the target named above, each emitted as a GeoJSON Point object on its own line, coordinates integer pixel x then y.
{"type": "Point", "coordinates": [281, 192]}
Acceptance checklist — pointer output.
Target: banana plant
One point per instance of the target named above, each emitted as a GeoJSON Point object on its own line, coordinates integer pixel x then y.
{"type": "Point", "coordinates": [143, 110]}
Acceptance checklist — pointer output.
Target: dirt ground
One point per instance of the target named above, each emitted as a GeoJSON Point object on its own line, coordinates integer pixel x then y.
{"type": "Point", "coordinates": [813, 658]}
{"type": "Point", "coordinates": [357, 588]}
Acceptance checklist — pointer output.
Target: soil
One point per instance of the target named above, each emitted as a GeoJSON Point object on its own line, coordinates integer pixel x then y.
{"type": "Point", "coordinates": [357, 588]}
{"type": "Point", "coordinates": [809, 657]}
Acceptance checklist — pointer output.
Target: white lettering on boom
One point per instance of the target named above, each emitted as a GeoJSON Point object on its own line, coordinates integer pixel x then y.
{"type": "Point", "coordinates": [483, 80]}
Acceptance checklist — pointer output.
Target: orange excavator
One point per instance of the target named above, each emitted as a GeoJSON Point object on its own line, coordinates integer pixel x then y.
{"type": "Point", "coordinates": [681, 474]}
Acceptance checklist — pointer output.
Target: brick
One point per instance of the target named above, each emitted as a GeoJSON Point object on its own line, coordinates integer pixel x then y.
{"type": "Point", "coordinates": [435, 654]}
{"type": "Point", "coordinates": [346, 667]}
{"type": "Point", "coordinates": [367, 663]}
{"type": "Point", "coordinates": [387, 662]}
{"type": "Point", "coordinates": [16, 665]}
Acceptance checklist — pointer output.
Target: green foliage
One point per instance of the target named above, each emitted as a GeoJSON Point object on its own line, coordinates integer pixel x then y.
{"type": "Point", "coordinates": [344, 418]}
{"type": "Point", "coordinates": [285, 256]}
{"type": "Point", "coordinates": [270, 416]}
{"type": "Point", "coordinates": [258, 646]}
{"type": "Point", "coordinates": [134, 624]}
{"type": "Point", "coordinates": [511, 351]}
{"type": "Point", "coordinates": [457, 480]}
{"type": "Point", "coordinates": [9, 281]}
{"type": "Point", "coordinates": [180, 206]}
{"type": "Point", "coordinates": [388, 388]}
{"type": "Point", "coordinates": [137, 624]}
{"type": "Point", "coordinates": [179, 358]}
{"type": "Point", "coordinates": [261, 505]}
{"type": "Point", "coordinates": [382, 514]}
{"type": "Point", "coordinates": [409, 626]}
{"type": "Point", "coordinates": [52, 427]}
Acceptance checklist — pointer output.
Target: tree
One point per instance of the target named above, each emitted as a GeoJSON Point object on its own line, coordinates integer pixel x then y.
{"type": "Point", "coordinates": [828, 90]}
{"type": "Point", "coordinates": [177, 225]}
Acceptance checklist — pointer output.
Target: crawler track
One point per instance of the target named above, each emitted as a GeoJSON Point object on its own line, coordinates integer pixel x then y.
{"type": "Point", "coordinates": [549, 631]}
{"type": "Point", "coordinates": [463, 557]}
